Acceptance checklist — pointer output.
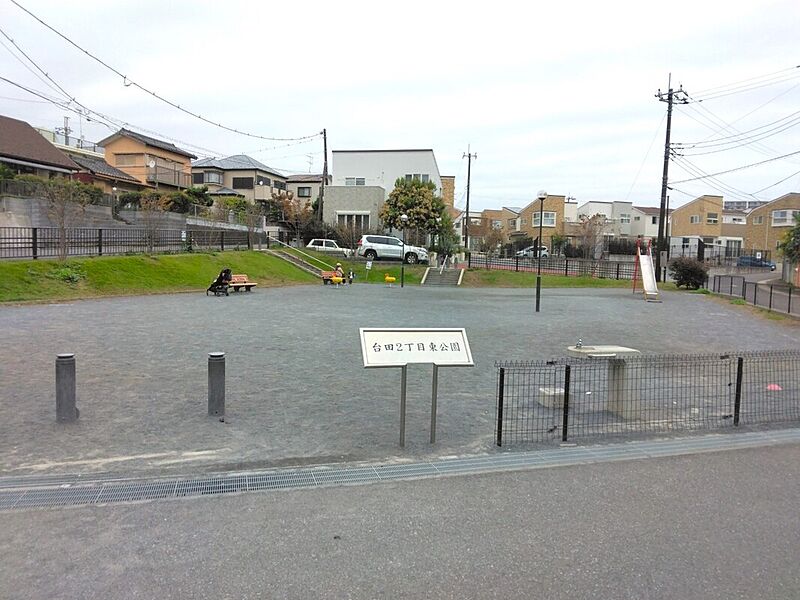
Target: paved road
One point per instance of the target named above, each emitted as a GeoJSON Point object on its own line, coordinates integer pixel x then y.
{"type": "Point", "coordinates": [297, 391]}
{"type": "Point", "coordinates": [706, 526]}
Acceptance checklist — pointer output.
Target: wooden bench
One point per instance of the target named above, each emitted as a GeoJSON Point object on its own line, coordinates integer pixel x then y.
{"type": "Point", "coordinates": [240, 281]}
{"type": "Point", "coordinates": [327, 277]}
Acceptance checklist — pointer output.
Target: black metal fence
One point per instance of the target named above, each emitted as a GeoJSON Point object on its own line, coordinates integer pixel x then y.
{"type": "Point", "coordinates": [556, 265]}
{"type": "Point", "coordinates": [48, 242]}
{"type": "Point", "coordinates": [778, 297]}
{"type": "Point", "coordinates": [573, 398]}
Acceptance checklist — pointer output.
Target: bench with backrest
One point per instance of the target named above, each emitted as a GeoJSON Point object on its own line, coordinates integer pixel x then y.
{"type": "Point", "coordinates": [327, 277]}
{"type": "Point", "coordinates": [240, 281]}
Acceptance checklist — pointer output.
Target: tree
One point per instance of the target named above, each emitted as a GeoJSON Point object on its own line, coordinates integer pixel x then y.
{"type": "Point", "coordinates": [790, 245]}
{"type": "Point", "coordinates": [446, 237]}
{"type": "Point", "coordinates": [417, 200]}
{"type": "Point", "coordinates": [152, 209]}
{"type": "Point", "coordinates": [66, 202]}
{"type": "Point", "coordinates": [296, 211]}
{"type": "Point", "coordinates": [493, 238]}
{"type": "Point", "coordinates": [590, 234]}
{"type": "Point", "coordinates": [557, 241]}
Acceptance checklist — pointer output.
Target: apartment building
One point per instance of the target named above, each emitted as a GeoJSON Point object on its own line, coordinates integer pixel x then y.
{"type": "Point", "coordinates": [768, 224]}
{"type": "Point", "coordinates": [705, 219]}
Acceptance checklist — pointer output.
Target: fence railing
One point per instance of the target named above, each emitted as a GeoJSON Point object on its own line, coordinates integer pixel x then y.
{"type": "Point", "coordinates": [778, 297]}
{"type": "Point", "coordinates": [50, 242]}
{"type": "Point", "coordinates": [556, 265]}
{"type": "Point", "coordinates": [573, 398]}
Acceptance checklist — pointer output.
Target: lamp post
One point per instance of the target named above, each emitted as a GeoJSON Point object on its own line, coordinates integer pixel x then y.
{"type": "Point", "coordinates": [542, 195]}
{"type": "Point", "coordinates": [403, 220]}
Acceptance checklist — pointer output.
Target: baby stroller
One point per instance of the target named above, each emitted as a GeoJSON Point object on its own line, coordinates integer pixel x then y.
{"type": "Point", "coordinates": [220, 285]}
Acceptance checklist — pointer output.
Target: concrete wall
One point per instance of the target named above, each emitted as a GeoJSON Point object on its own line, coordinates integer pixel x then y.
{"type": "Point", "coordinates": [35, 212]}
{"type": "Point", "coordinates": [353, 200]}
{"type": "Point", "coordinates": [382, 168]}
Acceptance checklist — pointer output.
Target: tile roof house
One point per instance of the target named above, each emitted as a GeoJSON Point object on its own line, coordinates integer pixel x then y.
{"type": "Point", "coordinates": [245, 175]}
{"type": "Point", "coordinates": [24, 150]}
{"type": "Point", "coordinates": [149, 160]}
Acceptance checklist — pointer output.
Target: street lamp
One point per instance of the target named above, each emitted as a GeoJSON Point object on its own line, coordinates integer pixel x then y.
{"type": "Point", "coordinates": [403, 220]}
{"type": "Point", "coordinates": [542, 195]}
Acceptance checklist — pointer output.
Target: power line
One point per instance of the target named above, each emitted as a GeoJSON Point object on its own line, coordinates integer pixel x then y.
{"type": "Point", "coordinates": [719, 87]}
{"type": "Point", "coordinates": [778, 182]}
{"type": "Point", "coordinates": [712, 181]}
{"type": "Point", "coordinates": [741, 168]}
{"type": "Point", "coordinates": [129, 82]}
{"type": "Point", "coordinates": [699, 97]}
{"type": "Point", "coordinates": [647, 154]}
{"type": "Point", "coordinates": [741, 135]}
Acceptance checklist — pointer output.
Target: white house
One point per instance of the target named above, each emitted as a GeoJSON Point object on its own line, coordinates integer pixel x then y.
{"type": "Point", "coordinates": [618, 215]}
{"type": "Point", "coordinates": [363, 179]}
{"type": "Point", "coordinates": [645, 221]}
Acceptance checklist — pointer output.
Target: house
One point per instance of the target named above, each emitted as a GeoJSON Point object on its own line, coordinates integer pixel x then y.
{"type": "Point", "coordinates": [94, 170]}
{"type": "Point", "coordinates": [25, 151]}
{"type": "Point", "coordinates": [705, 219]}
{"type": "Point", "coordinates": [148, 160]}
{"type": "Point", "coordinates": [363, 179]}
{"type": "Point", "coordinates": [554, 213]}
{"type": "Point", "coordinates": [240, 174]}
{"type": "Point", "coordinates": [767, 224]}
{"type": "Point", "coordinates": [306, 186]}
{"type": "Point", "coordinates": [618, 216]}
{"type": "Point", "coordinates": [644, 223]}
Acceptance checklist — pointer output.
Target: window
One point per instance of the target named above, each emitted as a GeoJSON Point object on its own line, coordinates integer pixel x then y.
{"type": "Point", "coordinates": [278, 185]}
{"type": "Point", "coordinates": [637, 218]}
{"type": "Point", "coordinates": [708, 240]}
{"type": "Point", "coordinates": [263, 181]}
{"type": "Point", "coordinates": [712, 218]}
{"type": "Point", "coordinates": [497, 224]}
{"type": "Point", "coordinates": [624, 218]}
{"type": "Point", "coordinates": [243, 183]}
{"type": "Point", "coordinates": [512, 223]}
{"type": "Point", "coordinates": [694, 219]}
{"type": "Point", "coordinates": [758, 220]}
{"type": "Point", "coordinates": [654, 220]}
{"type": "Point", "coordinates": [783, 217]}
{"type": "Point", "coordinates": [356, 221]}
{"type": "Point", "coordinates": [304, 192]}
{"type": "Point", "coordinates": [549, 219]}
{"type": "Point", "coordinates": [197, 178]}
{"type": "Point", "coordinates": [127, 160]}
{"type": "Point", "coordinates": [423, 177]}
{"type": "Point", "coordinates": [354, 181]}
{"type": "Point", "coordinates": [524, 222]}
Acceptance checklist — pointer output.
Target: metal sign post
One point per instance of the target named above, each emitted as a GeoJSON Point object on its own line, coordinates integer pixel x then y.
{"type": "Point", "coordinates": [385, 348]}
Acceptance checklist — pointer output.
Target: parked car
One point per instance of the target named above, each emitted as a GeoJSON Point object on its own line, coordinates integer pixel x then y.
{"type": "Point", "coordinates": [329, 246]}
{"type": "Point", "coordinates": [752, 261]}
{"type": "Point", "coordinates": [383, 247]}
{"type": "Point", "coordinates": [530, 252]}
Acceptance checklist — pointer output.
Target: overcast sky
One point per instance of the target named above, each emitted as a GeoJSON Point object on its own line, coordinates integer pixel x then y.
{"type": "Point", "coordinates": [557, 97]}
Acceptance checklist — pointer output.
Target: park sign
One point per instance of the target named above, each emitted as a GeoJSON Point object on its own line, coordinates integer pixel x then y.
{"type": "Point", "coordinates": [443, 347]}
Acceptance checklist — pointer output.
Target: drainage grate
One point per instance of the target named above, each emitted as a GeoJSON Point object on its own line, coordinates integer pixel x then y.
{"type": "Point", "coordinates": [76, 490]}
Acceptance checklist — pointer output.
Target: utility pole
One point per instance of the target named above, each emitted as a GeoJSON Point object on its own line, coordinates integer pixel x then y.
{"type": "Point", "coordinates": [469, 156]}
{"type": "Point", "coordinates": [670, 98]}
{"type": "Point", "coordinates": [324, 172]}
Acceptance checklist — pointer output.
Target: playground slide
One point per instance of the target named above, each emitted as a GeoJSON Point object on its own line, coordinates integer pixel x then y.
{"type": "Point", "coordinates": [648, 275]}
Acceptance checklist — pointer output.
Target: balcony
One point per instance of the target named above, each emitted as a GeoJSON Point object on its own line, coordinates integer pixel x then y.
{"type": "Point", "coordinates": [160, 175]}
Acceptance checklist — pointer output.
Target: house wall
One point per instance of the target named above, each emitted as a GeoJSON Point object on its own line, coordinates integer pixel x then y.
{"type": "Point", "coordinates": [139, 170]}
{"type": "Point", "coordinates": [765, 236]}
{"type": "Point", "coordinates": [449, 189]}
{"type": "Point", "coordinates": [259, 192]}
{"type": "Point", "coordinates": [681, 218]}
{"type": "Point", "coordinates": [341, 199]}
{"type": "Point", "coordinates": [551, 204]}
{"type": "Point", "coordinates": [382, 169]}
{"type": "Point", "coordinates": [315, 186]}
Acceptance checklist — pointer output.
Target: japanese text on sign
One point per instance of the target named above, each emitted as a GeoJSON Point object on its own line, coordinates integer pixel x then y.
{"type": "Point", "coordinates": [398, 347]}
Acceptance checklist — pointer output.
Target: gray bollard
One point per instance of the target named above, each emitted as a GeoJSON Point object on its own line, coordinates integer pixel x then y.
{"type": "Point", "coordinates": [66, 412]}
{"type": "Point", "coordinates": [216, 384]}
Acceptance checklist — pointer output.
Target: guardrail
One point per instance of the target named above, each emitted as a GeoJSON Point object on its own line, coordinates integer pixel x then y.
{"type": "Point", "coordinates": [778, 297]}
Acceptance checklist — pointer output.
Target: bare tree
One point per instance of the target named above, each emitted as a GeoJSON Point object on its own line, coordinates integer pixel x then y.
{"type": "Point", "coordinates": [66, 202]}
{"type": "Point", "coordinates": [296, 211]}
{"type": "Point", "coordinates": [590, 233]}
{"type": "Point", "coordinates": [152, 208]}
{"type": "Point", "coordinates": [253, 217]}
{"type": "Point", "coordinates": [492, 240]}
{"type": "Point", "coordinates": [349, 235]}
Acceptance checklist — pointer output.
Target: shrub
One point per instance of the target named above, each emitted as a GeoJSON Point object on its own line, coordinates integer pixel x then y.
{"type": "Point", "coordinates": [688, 272]}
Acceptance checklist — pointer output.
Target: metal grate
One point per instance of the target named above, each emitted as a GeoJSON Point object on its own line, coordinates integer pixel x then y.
{"type": "Point", "coordinates": [110, 490]}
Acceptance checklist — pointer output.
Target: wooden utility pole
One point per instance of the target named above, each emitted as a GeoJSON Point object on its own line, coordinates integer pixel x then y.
{"type": "Point", "coordinates": [670, 98]}
{"type": "Point", "coordinates": [324, 173]}
{"type": "Point", "coordinates": [469, 156]}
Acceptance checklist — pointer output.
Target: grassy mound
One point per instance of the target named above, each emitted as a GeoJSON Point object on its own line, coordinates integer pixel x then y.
{"type": "Point", "coordinates": [124, 275]}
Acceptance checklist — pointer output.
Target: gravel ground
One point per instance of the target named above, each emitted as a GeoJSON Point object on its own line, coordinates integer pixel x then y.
{"type": "Point", "coordinates": [296, 388]}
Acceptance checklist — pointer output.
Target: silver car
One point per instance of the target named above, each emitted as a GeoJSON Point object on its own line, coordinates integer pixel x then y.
{"type": "Point", "coordinates": [384, 247]}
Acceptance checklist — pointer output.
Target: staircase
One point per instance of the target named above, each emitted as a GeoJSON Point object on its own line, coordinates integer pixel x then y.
{"type": "Point", "coordinates": [296, 261]}
{"type": "Point", "coordinates": [447, 278]}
